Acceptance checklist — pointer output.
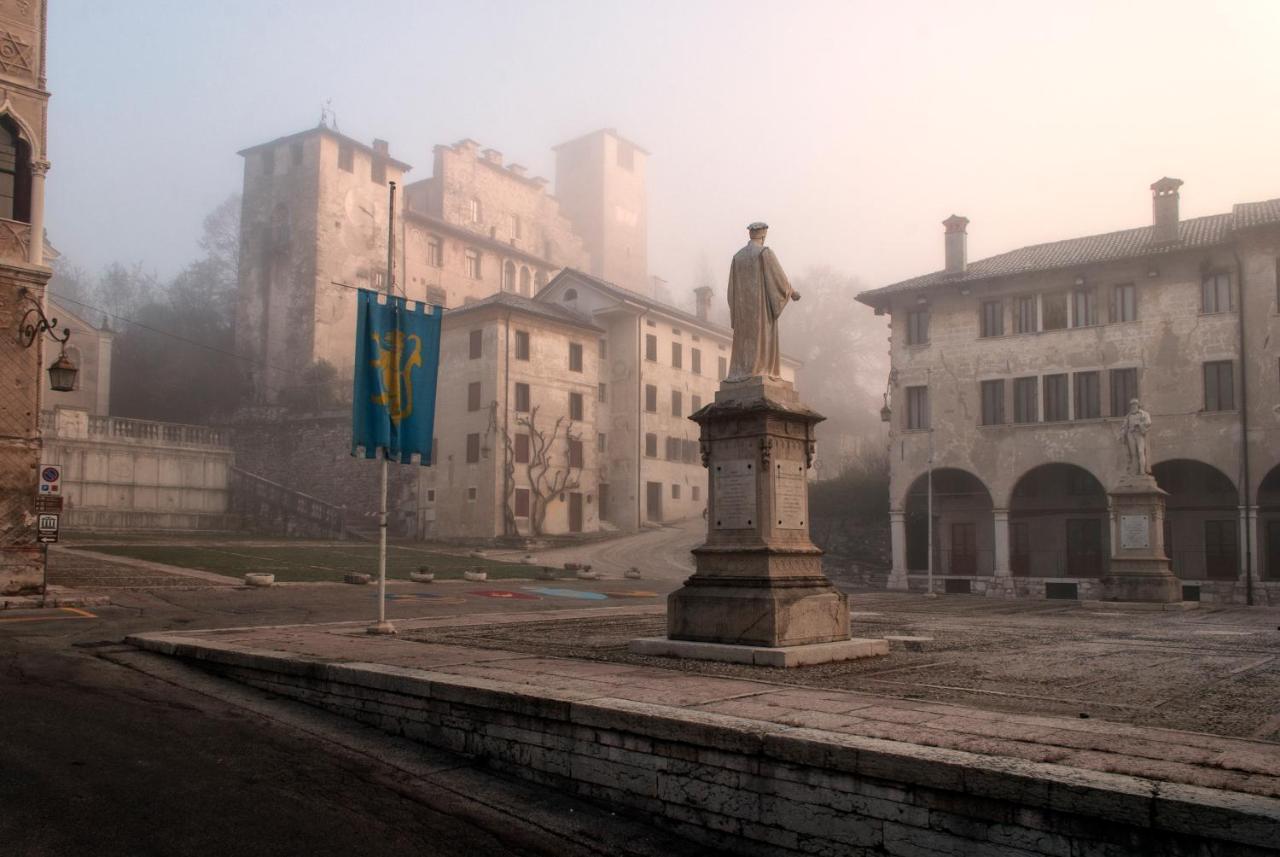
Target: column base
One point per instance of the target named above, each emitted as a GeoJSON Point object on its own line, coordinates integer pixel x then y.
{"type": "Point", "coordinates": [898, 581]}
{"type": "Point", "coordinates": [753, 611]}
{"type": "Point", "coordinates": [763, 656]}
{"type": "Point", "coordinates": [1145, 580]}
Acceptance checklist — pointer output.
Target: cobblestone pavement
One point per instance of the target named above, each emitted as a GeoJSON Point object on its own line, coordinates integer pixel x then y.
{"type": "Point", "coordinates": [93, 574]}
{"type": "Point", "coordinates": [1214, 670]}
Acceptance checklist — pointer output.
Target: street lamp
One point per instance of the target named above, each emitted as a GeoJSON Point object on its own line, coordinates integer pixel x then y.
{"type": "Point", "coordinates": [62, 372]}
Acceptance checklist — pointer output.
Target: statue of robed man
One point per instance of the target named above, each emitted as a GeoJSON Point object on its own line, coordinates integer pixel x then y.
{"type": "Point", "coordinates": [758, 293]}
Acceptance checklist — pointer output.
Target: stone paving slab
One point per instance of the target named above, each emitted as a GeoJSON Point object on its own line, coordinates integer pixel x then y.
{"type": "Point", "coordinates": [1238, 765]}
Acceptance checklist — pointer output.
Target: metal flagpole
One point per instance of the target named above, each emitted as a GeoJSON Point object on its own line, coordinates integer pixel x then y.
{"type": "Point", "coordinates": [384, 626]}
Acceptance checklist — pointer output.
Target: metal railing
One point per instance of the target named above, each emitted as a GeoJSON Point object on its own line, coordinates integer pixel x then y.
{"type": "Point", "coordinates": [1058, 563]}
{"type": "Point", "coordinates": [268, 505]}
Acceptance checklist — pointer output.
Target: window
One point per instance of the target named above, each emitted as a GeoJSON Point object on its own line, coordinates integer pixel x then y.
{"type": "Point", "coordinates": [992, 318]}
{"type": "Point", "coordinates": [1219, 386]}
{"type": "Point", "coordinates": [1088, 396]}
{"type": "Point", "coordinates": [650, 347]}
{"type": "Point", "coordinates": [602, 347]}
{"type": "Point", "coordinates": [992, 403]}
{"type": "Point", "coordinates": [526, 282]}
{"type": "Point", "coordinates": [697, 493]}
{"type": "Point", "coordinates": [515, 226]}
{"type": "Point", "coordinates": [917, 408]}
{"type": "Point", "coordinates": [1084, 307]}
{"type": "Point", "coordinates": [1053, 312]}
{"type": "Point", "coordinates": [651, 445]}
{"type": "Point", "coordinates": [431, 495]}
{"type": "Point", "coordinates": [575, 407]}
{"type": "Point", "coordinates": [378, 170]}
{"type": "Point", "coordinates": [723, 368]}
{"type": "Point", "coordinates": [471, 495]}
{"type": "Point", "coordinates": [295, 154]}
{"type": "Point", "coordinates": [474, 210]}
{"type": "Point", "coordinates": [677, 356]}
{"type": "Point", "coordinates": [471, 263]}
{"type": "Point", "coordinates": [1124, 387]}
{"type": "Point", "coordinates": [575, 453]}
{"type": "Point", "coordinates": [677, 406]}
{"type": "Point", "coordinates": [626, 155]}
{"type": "Point", "coordinates": [476, 344]}
{"type": "Point", "coordinates": [1056, 401]}
{"type": "Point", "coordinates": [575, 357]}
{"type": "Point", "coordinates": [473, 396]}
{"type": "Point", "coordinates": [522, 449]}
{"type": "Point", "coordinates": [1024, 314]}
{"type": "Point", "coordinates": [650, 399]}
{"type": "Point", "coordinates": [918, 327]}
{"type": "Point", "coordinates": [346, 158]}
{"type": "Point", "coordinates": [1215, 293]}
{"type": "Point", "coordinates": [435, 251]}
{"type": "Point", "coordinates": [602, 442]}
{"type": "Point", "coordinates": [379, 280]}
{"type": "Point", "coordinates": [673, 449]}
{"type": "Point", "coordinates": [437, 296]}
{"type": "Point", "coordinates": [695, 361]}
{"type": "Point", "coordinates": [1026, 400]}
{"type": "Point", "coordinates": [522, 502]}
{"type": "Point", "coordinates": [522, 398]}
{"type": "Point", "coordinates": [602, 392]}
{"type": "Point", "coordinates": [1124, 303]}
{"type": "Point", "coordinates": [509, 276]}
{"type": "Point", "coordinates": [695, 404]}
{"type": "Point", "coordinates": [675, 491]}
{"type": "Point", "coordinates": [473, 448]}
{"type": "Point", "coordinates": [522, 345]}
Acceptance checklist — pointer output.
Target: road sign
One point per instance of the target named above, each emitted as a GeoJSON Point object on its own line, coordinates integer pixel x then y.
{"type": "Point", "coordinates": [50, 479]}
{"type": "Point", "coordinates": [47, 529]}
{"type": "Point", "coordinates": [48, 502]}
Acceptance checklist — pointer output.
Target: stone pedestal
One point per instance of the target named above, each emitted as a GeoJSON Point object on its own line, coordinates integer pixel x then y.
{"type": "Point", "coordinates": [1139, 567]}
{"type": "Point", "coordinates": [759, 580]}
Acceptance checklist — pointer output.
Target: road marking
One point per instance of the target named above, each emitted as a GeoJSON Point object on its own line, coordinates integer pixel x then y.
{"type": "Point", "coordinates": [75, 612]}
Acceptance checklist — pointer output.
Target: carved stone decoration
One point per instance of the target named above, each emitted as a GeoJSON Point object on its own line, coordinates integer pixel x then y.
{"type": "Point", "coordinates": [766, 449]}
{"type": "Point", "coordinates": [14, 239]}
{"type": "Point", "coordinates": [705, 448]}
{"type": "Point", "coordinates": [15, 54]}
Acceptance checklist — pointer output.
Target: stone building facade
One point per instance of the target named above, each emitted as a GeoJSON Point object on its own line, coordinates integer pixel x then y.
{"type": "Point", "coordinates": [1014, 373]}
{"type": "Point", "coordinates": [314, 227]}
{"type": "Point", "coordinates": [24, 100]}
{"type": "Point", "coordinates": [90, 349]}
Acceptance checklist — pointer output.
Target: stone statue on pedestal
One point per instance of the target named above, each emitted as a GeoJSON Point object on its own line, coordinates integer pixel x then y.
{"type": "Point", "coordinates": [758, 293]}
{"type": "Point", "coordinates": [1133, 434]}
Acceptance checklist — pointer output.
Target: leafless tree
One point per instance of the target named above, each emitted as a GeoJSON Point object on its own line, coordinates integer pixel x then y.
{"type": "Point", "coordinates": [499, 431]}
{"type": "Point", "coordinates": [548, 478]}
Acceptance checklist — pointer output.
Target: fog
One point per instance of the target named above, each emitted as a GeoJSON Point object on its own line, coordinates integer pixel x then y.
{"type": "Point", "coordinates": [853, 128]}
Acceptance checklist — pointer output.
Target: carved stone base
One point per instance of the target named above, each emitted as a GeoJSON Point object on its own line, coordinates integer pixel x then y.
{"type": "Point", "coordinates": [761, 656]}
{"type": "Point", "coordinates": [1141, 580]}
{"type": "Point", "coordinates": [1139, 569]}
{"type": "Point", "coordinates": [755, 611]}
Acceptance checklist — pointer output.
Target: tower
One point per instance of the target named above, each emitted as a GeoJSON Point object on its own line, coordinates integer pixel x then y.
{"type": "Point", "coordinates": [600, 183]}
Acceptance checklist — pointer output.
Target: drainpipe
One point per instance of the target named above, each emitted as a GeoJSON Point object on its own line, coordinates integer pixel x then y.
{"type": "Point", "coordinates": [640, 487]}
{"type": "Point", "coordinates": [506, 396]}
{"type": "Point", "coordinates": [1244, 436]}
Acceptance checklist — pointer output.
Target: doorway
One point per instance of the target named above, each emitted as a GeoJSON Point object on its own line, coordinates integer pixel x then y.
{"type": "Point", "coordinates": [575, 512]}
{"type": "Point", "coordinates": [653, 501]}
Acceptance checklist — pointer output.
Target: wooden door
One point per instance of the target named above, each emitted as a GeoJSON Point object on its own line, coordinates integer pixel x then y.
{"type": "Point", "coordinates": [575, 512]}
{"type": "Point", "coordinates": [964, 548]}
{"type": "Point", "coordinates": [1084, 547]}
{"type": "Point", "coordinates": [653, 501]}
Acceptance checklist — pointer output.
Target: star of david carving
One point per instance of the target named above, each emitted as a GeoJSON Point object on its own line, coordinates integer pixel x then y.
{"type": "Point", "coordinates": [15, 54]}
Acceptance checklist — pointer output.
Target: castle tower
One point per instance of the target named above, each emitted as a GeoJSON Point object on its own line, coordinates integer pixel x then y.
{"type": "Point", "coordinates": [313, 225]}
{"type": "Point", "coordinates": [600, 183]}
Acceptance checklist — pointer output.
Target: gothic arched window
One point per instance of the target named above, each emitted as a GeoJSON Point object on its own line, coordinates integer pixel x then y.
{"type": "Point", "coordinates": [15, 173]}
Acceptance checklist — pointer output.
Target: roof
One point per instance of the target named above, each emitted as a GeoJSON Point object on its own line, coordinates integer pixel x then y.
{"type": "Point", "coordinates": [478, 238]}
{"type": "Point", "coordinates": [323, 129]}
{"type": "Point", "coordinates": [635, 297]}
{"type": "Point", "coordinates": [613, 132]}
{"type": "Point", "coordinates": [1193, 233]}
{"type": "Point", "coordinates": [519, 303]}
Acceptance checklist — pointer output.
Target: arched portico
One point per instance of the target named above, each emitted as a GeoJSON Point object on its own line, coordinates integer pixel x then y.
{"type": "Point", "coordinates": [1268, 523]}
{"type": "Point", "coordinates": [963, 524]}
{"type": "Point", "coordinates": [1058, 523]}
{"type": "Point", "coordinates": [1202, 519]}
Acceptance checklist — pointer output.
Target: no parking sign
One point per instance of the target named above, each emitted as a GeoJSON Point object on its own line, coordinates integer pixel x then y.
{"type": "Point", "coordinates": [50, 480]}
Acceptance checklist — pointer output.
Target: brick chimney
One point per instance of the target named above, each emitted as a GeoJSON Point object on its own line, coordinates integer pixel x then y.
{"type": "Point", "coordinates": [382, 148]}
{"type": "Point", "coordinates": [702, 301]}
{"type": "Point", "coordinates": [956, 243]}
{"type": "Point", "coordinates": [1164, 209]}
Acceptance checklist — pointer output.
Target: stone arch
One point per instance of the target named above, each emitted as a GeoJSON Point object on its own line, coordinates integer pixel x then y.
{"type": "Point", "coordinates": [1268, 538]}
{"type": "Point", "coordinates": [963, 525]}
{"type": "Point", "coordinates": [1201, 520]}
{"type": "Point", "coordinates": [1058, 523]}
{"type": "Point", "coordinates": [570, 295]}
{"type": "Point", "coordinates": [526, 281]}
{"type": "Point", "coordinates": [25, 130]}
{"type": "Point", "coordinates": [16, 162]}
{"type": "Point", "coordinates": [509, 276]}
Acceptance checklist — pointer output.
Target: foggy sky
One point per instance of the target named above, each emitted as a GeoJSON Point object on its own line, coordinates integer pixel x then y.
{"type": "Point", "coordinates": [852, 128]}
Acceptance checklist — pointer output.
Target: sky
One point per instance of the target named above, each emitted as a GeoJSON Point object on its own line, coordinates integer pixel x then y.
{"type": "Point", "coordinates": [853, 128]}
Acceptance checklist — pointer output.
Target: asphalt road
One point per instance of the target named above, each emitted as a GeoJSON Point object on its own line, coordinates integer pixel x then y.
{"type": "Point", "coordinates": [101, 759]}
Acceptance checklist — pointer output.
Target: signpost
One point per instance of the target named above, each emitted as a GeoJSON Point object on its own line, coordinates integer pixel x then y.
{"type": "Point", "coordinates": [48, 510]}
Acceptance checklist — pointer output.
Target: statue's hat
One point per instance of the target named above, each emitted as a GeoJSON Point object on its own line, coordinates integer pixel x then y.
{"type": "Point", "coordinates": [759, 224]}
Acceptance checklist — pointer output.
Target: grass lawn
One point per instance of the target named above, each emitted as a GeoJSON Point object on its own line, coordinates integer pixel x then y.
{"type": "Point", "coordinates": [313, 562]}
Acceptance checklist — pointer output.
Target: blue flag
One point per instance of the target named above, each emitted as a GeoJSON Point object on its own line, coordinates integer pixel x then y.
{"type": "Point", "coordinates": [397, 360]}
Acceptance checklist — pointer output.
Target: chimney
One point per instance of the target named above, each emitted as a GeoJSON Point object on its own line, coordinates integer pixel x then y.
{"type": "Point", "coordinates": [1164, 209]}
{"type": "Point", "coordinates": [702, 300]}
{"type": "Point", "coordinates": [382, 148]}
{"type": "Point", "coordinates": [956, 241]}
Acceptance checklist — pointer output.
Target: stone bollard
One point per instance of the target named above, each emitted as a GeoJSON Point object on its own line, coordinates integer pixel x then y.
{"type": "Point", "coordinates": [632, 573]}
{"type": "Point", "coordinates": [585, 573]}
{"type": "Point", "coordinates": [424, 574]}
{"type": "Point", "coordinates": [356, 578]}
{"type": "Point", "coordinates": [476, 574]}
{"type": "Point", "coordinates": [546, 572]}
{"type": "Point", "coordinates": [258, 578]}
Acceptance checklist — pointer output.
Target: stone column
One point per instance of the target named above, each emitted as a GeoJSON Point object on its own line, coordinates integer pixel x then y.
{"type": "Point", "coordinates": [1250, 539]}
{"type": "Point", "coordinates": [1139, 566]}
{"type": "Point", "coordinates": [35, 252]}
{"type": "Point", "coordinates": [1001, 518]}
{"type": "Point", "coordinates": [898, 543]}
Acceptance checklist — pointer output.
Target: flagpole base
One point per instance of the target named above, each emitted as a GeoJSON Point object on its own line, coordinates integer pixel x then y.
{"type": "Point", "coordinates": [382, 628]}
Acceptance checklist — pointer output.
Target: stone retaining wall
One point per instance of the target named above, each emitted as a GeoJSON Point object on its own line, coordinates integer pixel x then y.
{"type": "Point", "coordinates": [759, 788]}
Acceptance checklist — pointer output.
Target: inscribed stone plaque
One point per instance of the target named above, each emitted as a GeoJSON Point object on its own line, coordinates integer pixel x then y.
{"type": "Point", "coordinates": [1135, 531]}
{"type": "Point", "coordinates": [735, 494]}
{"type": "Point", "coordinates": [790, 496]}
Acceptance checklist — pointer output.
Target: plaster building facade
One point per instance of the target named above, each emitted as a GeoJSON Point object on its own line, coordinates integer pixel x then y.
{"type": "Point", "coordinates": [24, 99]}
{"type": "Point", "coordinates": [1015, 372]}
{"type": "Point", "coordinates": [90, 349]}
{"type": "Point", "coordinates": [314, 227]}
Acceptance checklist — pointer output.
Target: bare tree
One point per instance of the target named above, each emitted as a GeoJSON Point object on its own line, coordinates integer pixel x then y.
{"type": "Point", "coordinates": [547, 478]}
{"type": "Point", "coordinates": [499, 431]}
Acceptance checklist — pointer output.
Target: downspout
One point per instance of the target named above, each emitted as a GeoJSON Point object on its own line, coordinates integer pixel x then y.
{"type": "Point", "coordinates": [640, 448]}
{"type": "Point", "coordinates": [506, 398]}
{"type": "Point", "coordinates": [1244, 436]}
